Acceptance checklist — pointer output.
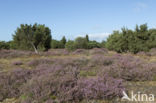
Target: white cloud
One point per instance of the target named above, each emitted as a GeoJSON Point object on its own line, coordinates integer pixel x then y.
{"type": "Point", "coordinates": [97, 36]}
{"type": "Point", "coordinates": [140, 6]}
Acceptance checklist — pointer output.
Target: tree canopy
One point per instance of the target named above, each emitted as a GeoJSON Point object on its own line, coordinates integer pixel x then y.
{"type": "Point", "coordinates": [38, 37]}
{"type": "Point", "coordinates": [140, 39]}
{"type": "Point", "coordinates": [29, 37]}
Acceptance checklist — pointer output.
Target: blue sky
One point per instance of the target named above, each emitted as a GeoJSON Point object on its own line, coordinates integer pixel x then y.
{"type": "Point", "coordinates": [73, 18]}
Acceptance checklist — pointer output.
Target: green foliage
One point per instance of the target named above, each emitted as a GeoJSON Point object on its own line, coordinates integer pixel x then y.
{"type": "Point", "coordinates": [114, 42]}
{"type": "Point", "coordinates": [12, 45]}
{"type": "Point", "coordinates": [4, 45]}
{"type": "Point", "coordinates": [38, 37]}
{"type": "Point", "coordinates": [29, 37]}
{"type": "Point", "coordinates": [103, 44]}
{"type": "Point", "coordinates": [93, 44]}
{"type": "Point", "coordinates": [83, 43]}
{"type": "Point", "coordinates": [152, 38]}
{"type": "Point", "coordinates": [63, 42]}
{"type": "Point", "coordinates": [80, 43]}
{"type": "Point", "coordinates": [55, 44]}
{"type": "Point", "coordinates": [87, 38]}
{"type": "Point", "coordinates": [141, 39]}
{"type": "Point", "coordinates": [70, 45]}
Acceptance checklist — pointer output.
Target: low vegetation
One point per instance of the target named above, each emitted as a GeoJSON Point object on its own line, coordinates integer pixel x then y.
{"type": "Point", "coordinates": [93, 75]}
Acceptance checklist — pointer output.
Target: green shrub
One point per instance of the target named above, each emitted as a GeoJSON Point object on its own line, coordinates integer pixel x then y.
{"type": "Point", "coordinates": [4, 45]}
{"type": "Point", "coordinates": [70, 45]}
{"type": "Point", "coordinates": [80, 43]}
{"type": "Point", "coordinates": [93, 44]}
{"type": "Point", "coordinates": [140, 39]}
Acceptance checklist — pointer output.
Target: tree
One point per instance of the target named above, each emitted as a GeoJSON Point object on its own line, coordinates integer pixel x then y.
{"type": "Point", "coordinates": [70, 45]}
{"type": "Point", "coordinates": [152, 39]}
{"type": "Point", "coordinates": [63, 42]}
{"type": "Point", "coordinates": [114, 41]}
{"type": "Point", "coordinates": [87, 38]}
{"type": "Point", "coordinates": [29, 37]}
{"type": "Point", "coordinates": [143, 28]}
{"type": "Point", "coordinates": [93, 44]}
{"type": "Point", "coordinates": [55, 44]}
{"type": "Point", "coordinates": [4, 45]}
{"type": "Point", "coordinates": [140, 39]}
{"type": "Point", "coordinates": [137, 28]}
{"type": "Point", "coordinates": [80, 43]}
{"type": "Point", "coordinates": [103, 44]}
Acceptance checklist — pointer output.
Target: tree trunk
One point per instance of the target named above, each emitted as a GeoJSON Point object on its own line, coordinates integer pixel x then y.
{"type": "Point", "coordinates": [34, 48]}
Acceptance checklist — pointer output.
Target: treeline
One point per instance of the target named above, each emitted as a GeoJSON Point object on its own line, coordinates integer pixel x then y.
{"type": "Point", "coordinates": [38, 37]}
{"type": "Point", "coordinates": [78, 43]}
{"type": "Point", "coordinates": [140, 39]}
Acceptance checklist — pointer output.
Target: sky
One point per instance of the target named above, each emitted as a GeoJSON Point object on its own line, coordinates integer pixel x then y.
{"type": "Point", "coordinates": [72, 18]}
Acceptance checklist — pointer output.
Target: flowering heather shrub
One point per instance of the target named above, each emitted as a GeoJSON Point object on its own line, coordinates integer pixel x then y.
{"type": "Point", "coordinates": [103, 87]}
{"type": "Point", "coordinates": [56, 52]}
{"type": "Point", "coordinates": [67, 89]}
{"type": "Point", "coordinates": [36, 62]}
{"type": "Point", "coordinates": [151, 69]}
{"type": "Point", "coordinates": [81, 61]}
{"type": "Point", "coordinates": [43, 69]}
{"type": "Point", "coordinates": [58, 70]}
{"type": "Point", "coordinates": [63, 85]}
{"type": "Point", "coordinates": [131, 69]}
{"type": "Point", "coordinates": [38, 89]}
{"type": "Point", "coordinates": [75, 62]}
{"type": "Point", "coordinates": [80, 51]}
{"type": "Point", "coordinates": [152, 52]}
{"type": "Point", "coordinates": [142, 53]}
{"type": "Point", "coordinates": [17, 63]}
{"type": "Point", "coordinates": [98, 51]}
{"type": "Point", "coordinates": [10, 82]}
{"type": "Point", "coordinates": [59, 80]}
{"type": "Point", "coordinates": [14, 53]}
{"type": "Point", "coordinates": [48, 87]}
{"type": "Point", "coordinates": [99, 59]}
{"type": "Point", "coordinates": [53, 82]}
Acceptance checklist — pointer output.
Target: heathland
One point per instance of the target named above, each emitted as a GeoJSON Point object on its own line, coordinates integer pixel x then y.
{"type": "Point", "coordinates": [36, 68]}
{"type": "Point", "coordinates": [81, 76]}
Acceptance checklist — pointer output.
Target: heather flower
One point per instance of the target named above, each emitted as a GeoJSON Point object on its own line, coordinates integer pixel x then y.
{"type": "Point", "coordinates": [36, 62]}
{"type": "Point", "coordinates": [55, 52]}
{"type": "Point", "coordinates": [130, 69]}
{"type": "Point", "coordinates": [98, 51]}
{"type": "Point", "coordinates": [10, 82]}
{"type": "Point", "coordinates": [101, 88]}
{"type": "Point", "coordinates": [17, 63]}
{"type": "Point", "coordinates": [99, 59]}
{"type": "Point", "coordinates": [80, 51]}
{"type": "Point", "coordinates": [15, 53]}
{"type": "Point", "coordinates": [152, 52]}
